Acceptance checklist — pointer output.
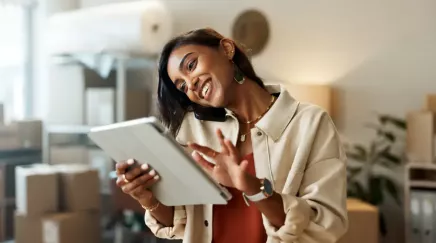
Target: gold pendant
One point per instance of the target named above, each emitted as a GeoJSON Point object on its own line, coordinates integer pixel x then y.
{"type": "Point", "coordinates": [243, 138]}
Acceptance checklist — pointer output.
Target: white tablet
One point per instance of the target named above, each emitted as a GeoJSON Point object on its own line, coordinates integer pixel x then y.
{"type": "Point", "coordinates": [182, 182]}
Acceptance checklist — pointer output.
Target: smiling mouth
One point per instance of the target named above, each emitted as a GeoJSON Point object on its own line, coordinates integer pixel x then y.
{"type": "Point", "coordinates": [205, 89]}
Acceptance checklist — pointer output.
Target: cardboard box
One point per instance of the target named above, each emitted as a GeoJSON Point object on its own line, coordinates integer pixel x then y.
{"type": "Point", "coordinates": [21, 134]}
{"type": "Point", "coordinates": [79, 188]}
{"type": "Point", "coordinates": [30, 133]}
{"type": "Point", "coordinates": [83, 227]}
{"type": "Point", "coordinates": [363, 223]}
{"type": "Point", "coordinates": [431, 103]}
{"type": "Point", "coordinates": [9, 137]}
{"type": "Point", "coordinates": [36, 190]}
{"type": "Point", "coordinates": [431, 106]}
{"type": "Point", "coordinates": [27, 229]}
{"type": "Point", "coordinates": [420, 136]}
{"type": "Point", "coordinates": [321, 95]}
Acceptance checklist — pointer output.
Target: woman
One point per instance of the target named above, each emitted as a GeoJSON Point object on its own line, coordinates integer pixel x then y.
{"type": "Point", "coordinates": [281, 159]}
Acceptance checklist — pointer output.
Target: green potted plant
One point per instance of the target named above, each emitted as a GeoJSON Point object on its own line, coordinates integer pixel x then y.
{"type": "Point", "coordinates": [370, 165]}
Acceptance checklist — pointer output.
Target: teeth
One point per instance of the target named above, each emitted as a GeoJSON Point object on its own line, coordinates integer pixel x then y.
{"type": "Point", "coordinates": [205, 89]}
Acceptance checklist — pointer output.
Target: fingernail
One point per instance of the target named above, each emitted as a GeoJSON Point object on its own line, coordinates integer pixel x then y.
{"type": "Point", "coordinates": [156, 177]}
{"type": "Point", "coordinates": [130, 162]}
{"type": "Point", "coordinates": [144, 166]}
{"type": "Point", "coordinates": [152, 172]}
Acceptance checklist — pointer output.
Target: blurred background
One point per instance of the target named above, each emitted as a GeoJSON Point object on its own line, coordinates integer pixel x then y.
{"type": "Point", "coordinates": [69, 65]}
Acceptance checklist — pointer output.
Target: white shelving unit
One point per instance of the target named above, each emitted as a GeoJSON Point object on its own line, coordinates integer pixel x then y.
{"type": "Point", "coordinates": [50, 130]}
{"type": "Point", "coordinates": [123, 62]}
{"type": "Point", "coordinates": [418, 177]}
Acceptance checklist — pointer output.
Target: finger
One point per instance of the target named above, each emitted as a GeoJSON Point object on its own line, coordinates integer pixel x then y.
{"type": "Point", "coordinates": [120, 181]}
{"type": "Point", "coordinates": [232, 150]}
{"type": "Point", "coordinates": [203, 149]}
{"type": "Point", "coordinates": [144, 181]}
{"type": "Point", "coordinates": [121, 167]}
{"type": "Point", "coordinates": [145, 167]}
{"type": "Point", "coordinates": [220, 135]}
{"type": "Point", "coordinates": [244, 165]}
{"type": "Point", "coordinates": [202, 162]}
{"type": "Point", "coordinates": [133, 173]}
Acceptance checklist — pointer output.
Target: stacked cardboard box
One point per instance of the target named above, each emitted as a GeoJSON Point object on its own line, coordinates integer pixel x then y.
{"type": "Point", "coordinates": [421, 128]}
{"type": "Point", "coordinates": [363, 222]}
{"type": "Point", "coordinates": [21, 134]}
{"type": "Point", "coordinates": [57, 204]}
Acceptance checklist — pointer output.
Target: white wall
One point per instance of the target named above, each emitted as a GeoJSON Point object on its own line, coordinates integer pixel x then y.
{"type": "Point", "coordinates": [380, 55]}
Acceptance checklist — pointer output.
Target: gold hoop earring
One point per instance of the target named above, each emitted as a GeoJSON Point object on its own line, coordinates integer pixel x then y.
{"type": "Point", "coordinates": [238, 75]}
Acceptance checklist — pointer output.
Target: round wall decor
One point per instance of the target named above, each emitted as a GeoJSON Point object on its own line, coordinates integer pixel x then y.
{"type": "Point", "coordinates": [251, 28]}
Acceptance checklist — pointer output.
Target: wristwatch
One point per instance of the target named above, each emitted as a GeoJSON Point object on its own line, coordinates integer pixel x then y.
{"type": "Point", "coordinates": [266, 191]}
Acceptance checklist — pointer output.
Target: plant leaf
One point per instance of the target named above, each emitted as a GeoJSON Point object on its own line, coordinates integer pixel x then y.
{"type": "Point", "coordinates": [390, 157]}
{"type": "Point", "coordinates": [382, 131]}
{"type": "Point", "coordinates": [352, 172]}
{"type": "Point", "coordinates": [372, 155]}
{"type": "Point", "coordinates": [382, 151]}
{"type": "Point", "coordinates": [386, 163]}
{"type": "Point", "coordinates": [356, 157]}
{"type": "Point", "coordinates": [360, 149]}
{"type": "Point", "coordinates": [388, 135]}
{"type": "Point", "coordinates": [398, 122]}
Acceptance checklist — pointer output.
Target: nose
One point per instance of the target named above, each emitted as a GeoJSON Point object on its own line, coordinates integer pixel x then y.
{"type": "Point", "coordinates": [192, 83]}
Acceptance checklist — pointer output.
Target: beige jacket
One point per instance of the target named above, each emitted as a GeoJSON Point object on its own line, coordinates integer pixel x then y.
{"type": "Point", "coordinates": [297, 147]}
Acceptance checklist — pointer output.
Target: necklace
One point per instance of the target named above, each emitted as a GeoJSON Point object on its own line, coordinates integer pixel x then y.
{"type": "Point", "coordinates": [244, 136]}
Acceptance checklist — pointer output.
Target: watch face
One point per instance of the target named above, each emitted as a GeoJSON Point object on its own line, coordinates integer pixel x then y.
{"type": "Point", "coordinates": [267, 187]}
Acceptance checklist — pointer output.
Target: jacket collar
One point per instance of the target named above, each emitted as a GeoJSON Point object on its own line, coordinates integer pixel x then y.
{"type": "Point", "coordinates": [275, 121]}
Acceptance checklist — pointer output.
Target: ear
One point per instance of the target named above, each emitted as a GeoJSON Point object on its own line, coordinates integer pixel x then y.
{"type": "Point", "coordinates": [228, 48]}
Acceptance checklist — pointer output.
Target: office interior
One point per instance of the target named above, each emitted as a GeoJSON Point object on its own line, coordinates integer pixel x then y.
{"type": "Point", "coordinates": [69, 65]}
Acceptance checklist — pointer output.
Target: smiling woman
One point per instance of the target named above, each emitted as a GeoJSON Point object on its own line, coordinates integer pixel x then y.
{"type": "Point", "coordinates": [281, 159]}
{"type": "Point", "coordinates": [204, 46]}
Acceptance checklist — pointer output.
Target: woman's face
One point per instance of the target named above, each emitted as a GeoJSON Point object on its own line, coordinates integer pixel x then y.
{"type": "Point", "coordinates": [204, 74]}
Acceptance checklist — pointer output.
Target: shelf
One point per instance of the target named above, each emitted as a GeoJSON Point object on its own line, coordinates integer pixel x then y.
{"type": "Point", "coordinates": [131, 60]}
{"type": "Point", "coordinates": [423, 184]}
{"type": "Point", "coordinates": [421, 166]}
{"type": "Point", "coordinates": [68, 129]}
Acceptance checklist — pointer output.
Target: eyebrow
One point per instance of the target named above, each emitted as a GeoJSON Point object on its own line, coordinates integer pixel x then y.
{"type": "Point", "coordinates": [183, 60]}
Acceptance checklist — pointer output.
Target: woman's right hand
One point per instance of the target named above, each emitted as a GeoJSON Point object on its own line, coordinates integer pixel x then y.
{"type": "Point", "coordinates": [135, 180]}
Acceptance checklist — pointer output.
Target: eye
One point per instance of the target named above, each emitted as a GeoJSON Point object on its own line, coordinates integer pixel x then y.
{"type": "Point", "coordinates": [182, 87]}
{"type": "Point", "coordinates": [191, 65]}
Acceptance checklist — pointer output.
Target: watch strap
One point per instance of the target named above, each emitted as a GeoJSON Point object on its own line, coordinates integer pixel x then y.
{"type": "Point", "coordinates": [256, 197]}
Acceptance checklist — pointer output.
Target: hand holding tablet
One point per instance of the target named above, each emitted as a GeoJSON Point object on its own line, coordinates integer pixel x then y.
{"type": "Point", "coordinates": [136, 180]}
{"type": "Point", "coordinates": [161, 165]}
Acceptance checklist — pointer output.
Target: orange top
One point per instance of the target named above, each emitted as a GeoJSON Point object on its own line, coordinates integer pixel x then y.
{"type": "Point", "coordinates": [237, 222]}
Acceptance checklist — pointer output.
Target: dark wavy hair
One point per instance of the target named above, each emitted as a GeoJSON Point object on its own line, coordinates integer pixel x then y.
{"type": "Point", "coordinates": [174, 104]}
